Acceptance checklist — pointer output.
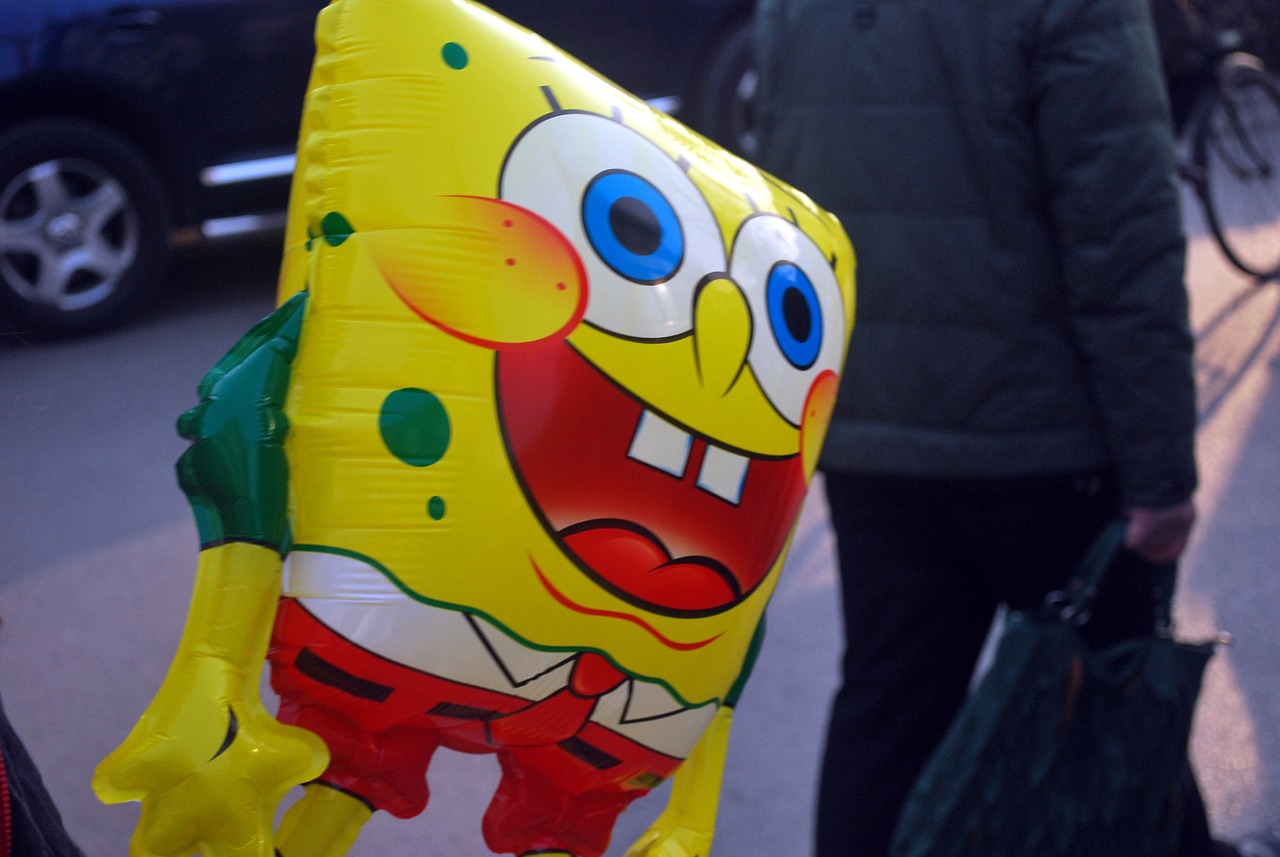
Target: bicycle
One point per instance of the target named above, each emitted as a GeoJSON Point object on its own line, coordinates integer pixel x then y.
{"type": "Point", "coordinates": [1231, 145]}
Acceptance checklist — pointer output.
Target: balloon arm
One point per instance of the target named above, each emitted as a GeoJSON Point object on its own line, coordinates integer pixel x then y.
{"type": "Point", "coordinates": [686, 826]}
{"type": "Point", "coordinates": [206, 759]}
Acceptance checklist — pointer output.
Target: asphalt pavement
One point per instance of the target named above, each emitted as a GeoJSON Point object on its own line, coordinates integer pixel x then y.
{"type": "Point", "coordinates": [97, 553]}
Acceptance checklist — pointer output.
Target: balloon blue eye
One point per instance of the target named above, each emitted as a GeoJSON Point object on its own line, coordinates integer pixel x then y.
{"type": "Point", "coordinates": [794, 314]}
{"type": "Point", "coordinates": [633, 227]}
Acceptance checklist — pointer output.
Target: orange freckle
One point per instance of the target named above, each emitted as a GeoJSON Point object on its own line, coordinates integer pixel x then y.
{"type": "Point", "coordinates": [507, 223]}
{"type": "Point", "coordinates": [511, 262]}
{"type": "Point", "coordinates": [561, 287]}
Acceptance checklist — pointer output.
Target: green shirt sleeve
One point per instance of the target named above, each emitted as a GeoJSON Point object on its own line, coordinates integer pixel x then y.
{"type": "Point", "coordinates": [235, 474]}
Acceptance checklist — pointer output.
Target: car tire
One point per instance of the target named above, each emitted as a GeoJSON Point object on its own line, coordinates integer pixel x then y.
{"type": "Point", "coordinates": [84, 227]}
{"type": "Point", "coordinates": [724, 109]}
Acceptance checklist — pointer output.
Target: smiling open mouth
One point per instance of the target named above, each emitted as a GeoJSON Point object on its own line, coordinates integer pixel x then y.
{"type": "Point", "coordinates": [661, 517]}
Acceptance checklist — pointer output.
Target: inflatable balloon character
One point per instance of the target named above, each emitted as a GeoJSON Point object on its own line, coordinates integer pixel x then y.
{"type": "Point", "coordinates": [512, 468]}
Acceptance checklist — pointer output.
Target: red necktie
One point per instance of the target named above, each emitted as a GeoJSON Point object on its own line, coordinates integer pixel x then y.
{"type": "Point", "coordinates": [562, 714]}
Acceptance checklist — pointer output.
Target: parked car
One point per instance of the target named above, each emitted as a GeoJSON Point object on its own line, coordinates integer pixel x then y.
{"type": "Point", "coordinates": [128, 128]}
{"type": "Point", "coordinates": [131, 128]}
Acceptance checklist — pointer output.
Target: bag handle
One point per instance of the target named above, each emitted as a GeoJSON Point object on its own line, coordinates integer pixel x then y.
{"type": "Point", "coordinates": [1075, 605]}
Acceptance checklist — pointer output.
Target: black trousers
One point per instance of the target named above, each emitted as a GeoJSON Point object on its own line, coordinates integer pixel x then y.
{"type": "Point", "coordinates": [924, 565]}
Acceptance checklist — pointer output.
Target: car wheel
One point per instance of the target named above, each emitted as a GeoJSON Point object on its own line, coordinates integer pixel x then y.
{"type": "Point", "coordinates": [83, 227]}
{"type": "Point", "coordinates": [725, 107]}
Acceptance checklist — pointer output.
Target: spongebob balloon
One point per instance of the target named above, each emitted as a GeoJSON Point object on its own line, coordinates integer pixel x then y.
{"type": "Point", "coordinates": [513, 468]}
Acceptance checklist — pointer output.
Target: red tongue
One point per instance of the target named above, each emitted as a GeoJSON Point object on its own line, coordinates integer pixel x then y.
{"type": "Point", "coordinates": [640, 567]}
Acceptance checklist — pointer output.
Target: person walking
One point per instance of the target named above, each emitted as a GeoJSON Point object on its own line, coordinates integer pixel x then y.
{"type": "Point", "coordinates": [1020, 369]}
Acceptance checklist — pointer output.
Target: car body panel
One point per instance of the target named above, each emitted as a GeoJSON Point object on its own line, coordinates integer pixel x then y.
{"type": "Point", "coordinates": [196, 84]}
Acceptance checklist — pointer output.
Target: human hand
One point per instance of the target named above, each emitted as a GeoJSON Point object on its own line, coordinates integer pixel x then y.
{"type": "Point", "coordinates": [1160, 535]}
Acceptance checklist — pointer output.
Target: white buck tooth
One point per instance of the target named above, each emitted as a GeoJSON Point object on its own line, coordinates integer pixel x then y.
{"type": "Point", "coordinates": [660, 444]}
{"type": "Point", "coordinates": [723, 473]}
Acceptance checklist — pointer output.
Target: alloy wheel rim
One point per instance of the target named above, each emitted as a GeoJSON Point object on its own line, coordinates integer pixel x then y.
{"type": "Point", "coordinates": [68, 234]}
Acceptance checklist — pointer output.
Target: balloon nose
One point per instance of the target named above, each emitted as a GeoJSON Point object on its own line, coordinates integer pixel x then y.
{"type": "Point", "coordinates": [722, 333]}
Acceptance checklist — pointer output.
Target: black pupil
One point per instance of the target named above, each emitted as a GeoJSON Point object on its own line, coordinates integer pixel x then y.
{"type": "Point", "coordinates": [635, 226]}
{"type": "Point", "coordinates": [796, 314]}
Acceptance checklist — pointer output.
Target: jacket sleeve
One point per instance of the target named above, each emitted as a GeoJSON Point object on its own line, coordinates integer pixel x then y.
{"type": "Point", "coordinates": [32, 824]}
{"type": "Point", "coordinates": [1103, 130]}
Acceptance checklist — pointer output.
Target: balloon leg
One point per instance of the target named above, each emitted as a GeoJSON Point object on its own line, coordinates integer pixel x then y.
{"type": "Point", "coordinates": [323, 823]}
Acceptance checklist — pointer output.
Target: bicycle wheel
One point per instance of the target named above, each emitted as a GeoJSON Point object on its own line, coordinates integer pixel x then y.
{"type": "Point", "coordinates": [1237, 153]}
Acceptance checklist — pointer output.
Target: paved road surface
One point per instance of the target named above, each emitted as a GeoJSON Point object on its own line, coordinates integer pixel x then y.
{"type": "Point", "coordinates": [97, 553]}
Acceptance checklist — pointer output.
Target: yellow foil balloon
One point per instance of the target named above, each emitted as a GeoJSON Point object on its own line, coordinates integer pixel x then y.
{"type": "Point", "coordinates": [514, 466]}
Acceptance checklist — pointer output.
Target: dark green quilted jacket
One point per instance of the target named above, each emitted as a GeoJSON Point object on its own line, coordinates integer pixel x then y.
{"type": "Point", "coordinates": [1005, 170]}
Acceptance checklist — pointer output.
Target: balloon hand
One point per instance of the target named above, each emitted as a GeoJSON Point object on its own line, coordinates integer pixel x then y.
{"type": "Point", "coordinates": [209, 765]}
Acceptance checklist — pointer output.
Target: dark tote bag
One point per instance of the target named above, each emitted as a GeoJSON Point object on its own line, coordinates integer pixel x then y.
{"type": "Point", "coordinates": [1063, 750]}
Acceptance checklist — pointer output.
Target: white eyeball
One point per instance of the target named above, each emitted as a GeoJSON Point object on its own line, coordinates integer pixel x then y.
{"type": "Point", "coordinates": [644, 232]}
{"type": "Point", "coordinates": [796, 303]}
